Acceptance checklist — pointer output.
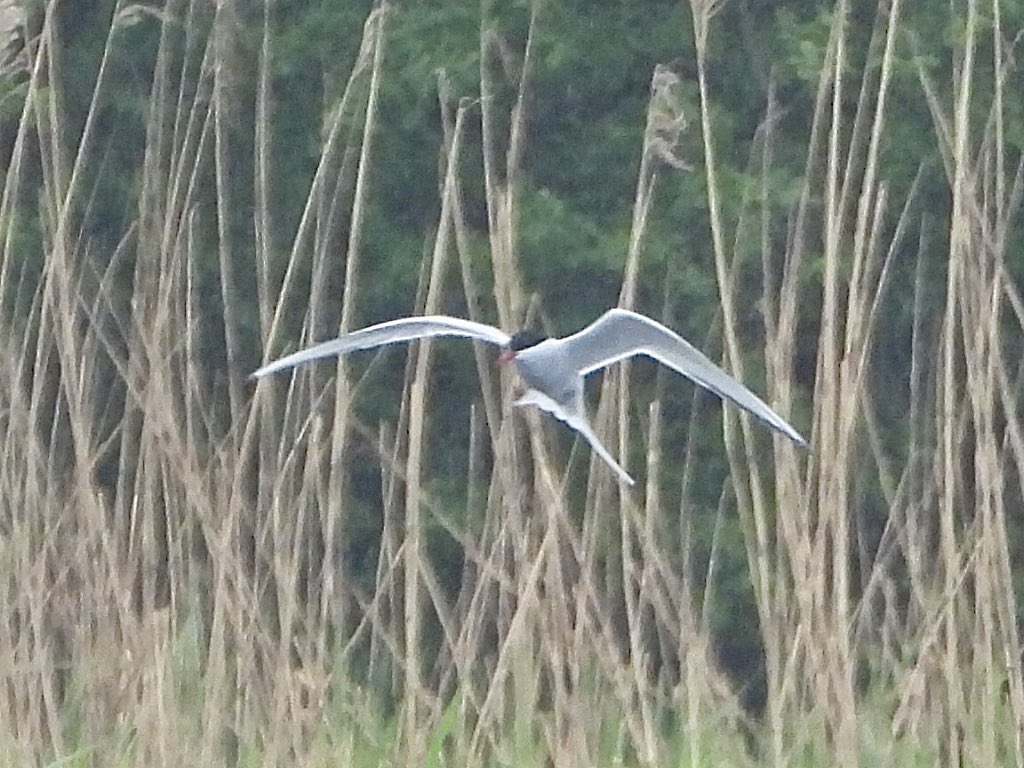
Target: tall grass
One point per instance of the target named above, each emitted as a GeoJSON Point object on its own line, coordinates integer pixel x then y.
{"type": "Point", "coordinates": [175, 580]}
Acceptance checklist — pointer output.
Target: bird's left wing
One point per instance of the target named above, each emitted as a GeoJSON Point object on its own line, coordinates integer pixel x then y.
{"type": "Point", "coordinates": [391, 332]}
{"type": "Point", "coordinates": [619, 334]}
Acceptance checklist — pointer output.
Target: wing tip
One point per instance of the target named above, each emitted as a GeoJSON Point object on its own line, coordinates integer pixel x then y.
{"type": "Point", "coordinates": [795, 437]}
{"type": "Point", "coordinates": [264, 370]}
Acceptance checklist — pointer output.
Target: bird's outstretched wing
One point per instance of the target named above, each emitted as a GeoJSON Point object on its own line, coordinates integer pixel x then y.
{"type": "Point", "coordinates": [619, 334]}
{"type": "Point", "coordinates": [391, 332]}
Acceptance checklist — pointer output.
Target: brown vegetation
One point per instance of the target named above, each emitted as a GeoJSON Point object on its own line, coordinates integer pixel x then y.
{"type": "Point", "coordinates": [184, 602]}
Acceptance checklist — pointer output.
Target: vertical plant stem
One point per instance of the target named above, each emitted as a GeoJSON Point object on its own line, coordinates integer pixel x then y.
{"type": "Point", "coordinates": [334, 525]}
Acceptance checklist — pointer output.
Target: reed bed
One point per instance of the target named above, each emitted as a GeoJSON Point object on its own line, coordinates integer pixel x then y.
{"type": "Point", "coordinates": [175, 559]}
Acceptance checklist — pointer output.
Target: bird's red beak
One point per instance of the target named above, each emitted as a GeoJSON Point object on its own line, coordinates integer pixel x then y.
{"type": "Point", "coordinates": [506, 356]}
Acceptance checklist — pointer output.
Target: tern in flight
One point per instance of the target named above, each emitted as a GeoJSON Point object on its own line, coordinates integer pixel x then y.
{"type": "Point", "coordinates": [553, 369]}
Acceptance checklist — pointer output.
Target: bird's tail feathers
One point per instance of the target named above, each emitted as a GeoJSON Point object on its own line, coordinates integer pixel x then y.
{"type": "Point", "coordinates": [577, 421]}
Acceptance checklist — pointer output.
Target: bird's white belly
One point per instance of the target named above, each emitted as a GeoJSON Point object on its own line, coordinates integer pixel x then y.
{"type": "Point", "coordinates": [546, 370]}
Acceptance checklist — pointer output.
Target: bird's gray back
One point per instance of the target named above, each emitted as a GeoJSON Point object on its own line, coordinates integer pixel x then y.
{"type": "Point", "coordinates": [545, 369]}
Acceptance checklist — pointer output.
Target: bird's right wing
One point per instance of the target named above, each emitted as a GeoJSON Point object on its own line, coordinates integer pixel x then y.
{"type": "Point", "coordinates": [619, 334]}
{"type": "Point", "coordinates": [391, 332]}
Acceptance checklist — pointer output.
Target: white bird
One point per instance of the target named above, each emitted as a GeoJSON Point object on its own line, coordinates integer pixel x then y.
{"type": "Point", "coordinates": [553, 369]}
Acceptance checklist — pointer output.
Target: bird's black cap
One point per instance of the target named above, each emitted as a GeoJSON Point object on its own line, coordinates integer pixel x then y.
{"type": "Point", "coordinates": [525, 339]}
